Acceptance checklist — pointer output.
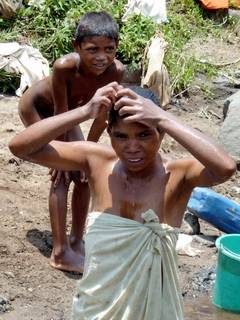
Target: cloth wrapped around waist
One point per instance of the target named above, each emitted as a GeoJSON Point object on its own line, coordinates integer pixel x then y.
{"type": "Point", "coordinates": [130, 270]}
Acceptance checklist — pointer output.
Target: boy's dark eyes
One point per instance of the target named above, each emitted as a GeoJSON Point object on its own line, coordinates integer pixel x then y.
{"type": "Point", "coordinates": [144, 134]}
{"type": "Point", "coordinates": [92, 50]}
{"type": "Point", "coordinates": [120, 135]}
{"type": "Point", "coordinates": [109, 49]}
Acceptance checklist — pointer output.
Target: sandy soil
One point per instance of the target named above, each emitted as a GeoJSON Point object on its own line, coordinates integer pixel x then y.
{"type": "Point", "coordinates": [29, 287]}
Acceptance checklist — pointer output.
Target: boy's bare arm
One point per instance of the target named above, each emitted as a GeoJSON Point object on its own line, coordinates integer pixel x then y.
{"type": "Point", "coordinates": [100, 124]}
{"type": "Point", "coordinates": [35, 143]}
{"type": "Point", "coordinates": [212, 165]}
{"type": "Point", "coordinates": [97, 128]}
{"type": "Point", "coordinates": [63, 69]}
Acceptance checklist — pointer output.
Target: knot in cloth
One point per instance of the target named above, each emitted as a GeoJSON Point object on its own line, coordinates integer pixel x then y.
{"type": "Point", "coordinates": [161, 232]}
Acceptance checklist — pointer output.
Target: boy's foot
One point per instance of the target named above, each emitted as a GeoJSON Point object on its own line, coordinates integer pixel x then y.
{"type": "Point", "coordinates": [68, 261]}
{"type": "Point", "coordinates": [77, 245]}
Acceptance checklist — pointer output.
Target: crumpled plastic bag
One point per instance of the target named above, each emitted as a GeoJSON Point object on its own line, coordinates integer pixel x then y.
{"type": "Point", "coordinates": [24, 60]}
{"type": "Point", "coordinates": [155, 9]}
{"type": "Point", "coordinates": [36, 3]}
{"type": "Point", "coordinates": [184, 247]}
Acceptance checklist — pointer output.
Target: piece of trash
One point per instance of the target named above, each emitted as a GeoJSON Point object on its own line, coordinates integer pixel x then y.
{"type": "Point", "coordinates": [183, 246]}
{"type": "Point", "coordinates": [154, 9]}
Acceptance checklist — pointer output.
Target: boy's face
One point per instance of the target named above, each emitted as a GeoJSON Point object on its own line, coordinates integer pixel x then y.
{"type": "Point", "coordinates": [97, 53]}
{"type": "Point", "coordinates": [135, 144]}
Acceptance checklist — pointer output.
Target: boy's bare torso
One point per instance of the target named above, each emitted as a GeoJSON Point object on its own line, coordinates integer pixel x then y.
{"type": "Point", "coordinates": [162, 190]}
{"type": "Point", "coordinates": [80, 86]}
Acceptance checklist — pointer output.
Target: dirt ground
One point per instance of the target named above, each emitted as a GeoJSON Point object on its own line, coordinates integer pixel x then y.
{"type": "Point", "coordinates": [29, 287]}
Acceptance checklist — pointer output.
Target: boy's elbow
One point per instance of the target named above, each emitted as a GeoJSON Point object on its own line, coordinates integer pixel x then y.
{"type": "Point", "coordinates": [16, 148]}
{"type": "Point", "coordinates": [229, 169]}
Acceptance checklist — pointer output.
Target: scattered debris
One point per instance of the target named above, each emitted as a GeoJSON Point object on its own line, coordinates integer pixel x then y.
{"type": "Point", "coordinates": [5, 305]}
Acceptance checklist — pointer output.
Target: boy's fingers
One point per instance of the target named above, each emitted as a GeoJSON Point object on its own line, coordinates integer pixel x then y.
{"type": "Point", "coordinates": [105, 102]}
{"type": "Point", "coordinates": [131, 118]}
{"type": "Point", "coordinates": [114, 85]}
{"type": "Point", "coordinates": [83, 177]}
{"type": "Point", "coordinates": [124, 101]}
{"type": "Point", "coordinates": [127, 92]}
{"type": "Point", "coordinates": [127, 110]}
{"type": "Point", "coordinates": [111, 93]}
{"type": "Point", "coordinates": [53, 174]}
{"type": "Point", "coordinates": [57, 179]}
{"type": "Point", "coordinates": [67, 178]}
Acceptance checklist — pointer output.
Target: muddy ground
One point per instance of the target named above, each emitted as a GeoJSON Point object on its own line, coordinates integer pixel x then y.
{"type": "Point", "coordinates": [29, 287]}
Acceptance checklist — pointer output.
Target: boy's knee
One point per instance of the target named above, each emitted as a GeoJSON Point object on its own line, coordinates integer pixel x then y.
{"type": "Point", "coordinates": [25, 114]}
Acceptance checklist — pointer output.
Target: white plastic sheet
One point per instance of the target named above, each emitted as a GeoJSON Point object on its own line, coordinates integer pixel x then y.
{"type": "Point", "coordinates": [24, 60]}
{"type": "Point", "coordinates": [155, 9]}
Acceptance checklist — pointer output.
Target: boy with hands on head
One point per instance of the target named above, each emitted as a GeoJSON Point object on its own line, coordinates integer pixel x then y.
{"type": "Point", "coordinates": [139, 198]}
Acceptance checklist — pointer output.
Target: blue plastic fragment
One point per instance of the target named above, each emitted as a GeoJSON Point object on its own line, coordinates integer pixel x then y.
{"type": "Point", "coordinates": [214, 208]}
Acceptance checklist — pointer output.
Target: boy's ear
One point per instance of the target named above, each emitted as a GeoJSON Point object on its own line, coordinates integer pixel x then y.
{"type": "Point", "coordinates": [75, 44]}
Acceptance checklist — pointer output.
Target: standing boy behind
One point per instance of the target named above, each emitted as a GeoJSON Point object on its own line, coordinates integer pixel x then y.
{"type": "Point", "coordinates": [139, 197]}
{"type": "Point", "coordinates": [75, 78]}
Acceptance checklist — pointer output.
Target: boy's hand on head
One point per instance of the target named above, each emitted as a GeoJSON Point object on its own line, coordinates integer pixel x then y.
{"type": "Point", "coordinates": [135, 108]}
{"type": "Point", "coordinates": [102, 100]}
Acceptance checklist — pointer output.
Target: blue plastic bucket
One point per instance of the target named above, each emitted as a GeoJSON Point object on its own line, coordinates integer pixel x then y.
{"type": "Point", "coordinates": [226, 293]}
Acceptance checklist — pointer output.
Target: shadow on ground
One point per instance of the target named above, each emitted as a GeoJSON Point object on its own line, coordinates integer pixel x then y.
{"type": "Point", "coordinates": [42, 240]}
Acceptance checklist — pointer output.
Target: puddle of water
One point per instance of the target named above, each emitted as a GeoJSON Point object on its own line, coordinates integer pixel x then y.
{"type": "Point", "coordinates": [202, 308]}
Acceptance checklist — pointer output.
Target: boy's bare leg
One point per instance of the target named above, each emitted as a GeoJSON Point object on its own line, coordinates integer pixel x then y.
{"type": "Point", "coordinates": [63, 257]}
{"type": "Point", "coordinates": [80, 200]}
{"type": "Point", "coordinates": [80, 204]}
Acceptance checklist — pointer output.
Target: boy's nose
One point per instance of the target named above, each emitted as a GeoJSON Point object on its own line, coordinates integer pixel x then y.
{"type": "Point", "coordinates": [132, 146]}
{"type": "Point", "coordinates": [101, 57]}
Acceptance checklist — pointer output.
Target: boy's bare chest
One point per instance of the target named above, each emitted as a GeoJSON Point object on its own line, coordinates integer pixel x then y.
{"type": "Point", "coordinates": [163, 194]}
{"type": "Point", "coordinates": [129, 199]}
{"type": "Point", "coordinates": [81, 89]}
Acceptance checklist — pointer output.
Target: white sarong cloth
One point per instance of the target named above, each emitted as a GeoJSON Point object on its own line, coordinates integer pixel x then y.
{"type": "Point", "coordinates": [130, 270]}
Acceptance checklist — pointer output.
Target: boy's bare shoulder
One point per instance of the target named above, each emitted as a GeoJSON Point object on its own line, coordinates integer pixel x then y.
{"type": "Point", "coordinates": [93, 148]}
{"type": "Point", "coordinates": [67, 64]}
{"type": "Point", "coordinates": [98, 155]}
{"type": "Point", "coordinates": [117, 69]}
{"type": "Point", "coordinates": [178, 164]}
{"type": "Point", "coordinates": [119, 66]}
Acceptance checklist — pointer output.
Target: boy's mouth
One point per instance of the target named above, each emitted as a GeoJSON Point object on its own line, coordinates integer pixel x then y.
{"type": "Point", "coordinates": [135, 161]}
{"type": "Point", "coordinates": [100, 65]}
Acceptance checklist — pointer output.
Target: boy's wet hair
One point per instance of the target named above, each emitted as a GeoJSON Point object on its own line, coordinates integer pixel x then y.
{"type": "Point", "coordinates": [94, 24]}
{"type": "Point", "coordinates": [113, 115]}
